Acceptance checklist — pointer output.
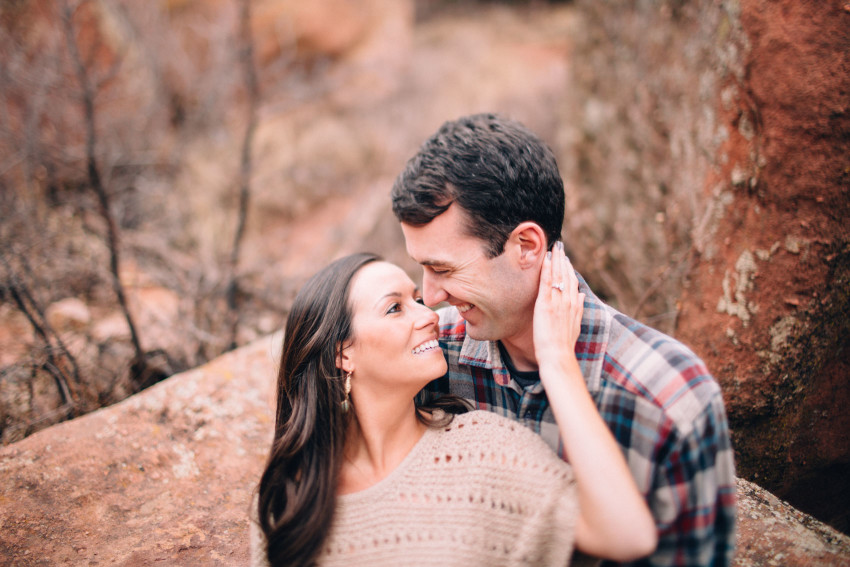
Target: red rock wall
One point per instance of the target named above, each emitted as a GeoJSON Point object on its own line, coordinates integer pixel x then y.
{"type": "Point", "coordinates": [730, 123]}
{"type": "Point", "coordinates": [779, 285]}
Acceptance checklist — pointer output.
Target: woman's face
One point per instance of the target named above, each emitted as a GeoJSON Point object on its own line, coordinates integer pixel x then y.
{"type": "Point", "coordinates": [394, 341]}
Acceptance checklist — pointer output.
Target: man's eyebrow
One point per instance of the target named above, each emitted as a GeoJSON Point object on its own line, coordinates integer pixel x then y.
{"type": "Point", "coordinates": [441, 263]}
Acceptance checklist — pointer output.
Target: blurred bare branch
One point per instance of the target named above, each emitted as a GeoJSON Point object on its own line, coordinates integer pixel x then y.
{"type": "Point", "coordinates": [30, 307]}
{"type": "Point", "coordinates": [246, 60]}
{"type": "Point", "coordinates": [87, 98]}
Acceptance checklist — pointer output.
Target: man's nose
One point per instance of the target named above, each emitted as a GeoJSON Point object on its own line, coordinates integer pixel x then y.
{"type": "Point", "coordinates": [432, 292]}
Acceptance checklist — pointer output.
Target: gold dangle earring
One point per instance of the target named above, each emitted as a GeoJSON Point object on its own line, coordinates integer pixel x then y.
{"type": "Point", "coordinates": [346, 405]}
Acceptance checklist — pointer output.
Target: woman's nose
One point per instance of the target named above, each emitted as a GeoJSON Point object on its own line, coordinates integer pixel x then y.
{"type": "Point", "coordinates": [427, 316]}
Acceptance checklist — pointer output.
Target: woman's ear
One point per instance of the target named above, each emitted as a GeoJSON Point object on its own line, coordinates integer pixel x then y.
{"type": "Point", "coordinates": [343, 358]}
{"type": "Point", "coordinates": [529, 241]}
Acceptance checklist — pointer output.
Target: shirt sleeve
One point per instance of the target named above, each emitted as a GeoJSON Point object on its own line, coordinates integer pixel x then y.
{"type": "Point", "coordinates": [693, 497]}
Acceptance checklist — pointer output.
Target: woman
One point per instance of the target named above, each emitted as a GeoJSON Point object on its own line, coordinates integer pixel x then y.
{"type": "Point", "coordinates": [358, 475]}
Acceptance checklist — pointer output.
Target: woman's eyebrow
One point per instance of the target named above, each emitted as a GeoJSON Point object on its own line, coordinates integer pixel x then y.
{"type": "Point", "coordinates": [386, 295]}
{"type": "Point", "coordinates": [395, 294]}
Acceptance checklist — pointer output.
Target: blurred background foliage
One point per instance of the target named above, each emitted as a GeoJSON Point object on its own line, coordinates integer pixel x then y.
{"type": "Point", "coordinates": [172, 170]}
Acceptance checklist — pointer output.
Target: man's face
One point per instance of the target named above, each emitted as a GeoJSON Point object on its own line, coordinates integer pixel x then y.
{"type": "Point", "coordinates": [492, 295]}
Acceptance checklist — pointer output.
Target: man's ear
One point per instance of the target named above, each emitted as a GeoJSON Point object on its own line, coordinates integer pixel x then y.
{"type": "Point", "coordinates": [343, 357]}
{"type": "Point", "coordinates": [529, 242]}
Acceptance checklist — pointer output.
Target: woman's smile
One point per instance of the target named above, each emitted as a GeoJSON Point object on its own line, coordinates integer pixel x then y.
{"type": "Point", "coordinates": [427, 346]}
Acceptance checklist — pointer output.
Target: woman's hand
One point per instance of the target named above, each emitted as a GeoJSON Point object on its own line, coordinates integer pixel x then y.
{"type": "Point", "coordinates": [614, 521]}
{"type": "Point", "coordinates": [558, 310]}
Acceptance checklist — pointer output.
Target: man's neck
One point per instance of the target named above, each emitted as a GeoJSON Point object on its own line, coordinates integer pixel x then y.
{"type": "Point", "coordinates": [521, 352]}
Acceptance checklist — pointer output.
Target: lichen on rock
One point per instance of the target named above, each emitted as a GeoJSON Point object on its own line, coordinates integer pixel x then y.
{"type": "Point", "coordinates": [734, 299]}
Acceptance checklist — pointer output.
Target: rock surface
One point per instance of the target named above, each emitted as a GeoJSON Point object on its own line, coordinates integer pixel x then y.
{"type": "Point", "coordinates": [772, 278]}
{"type": "Point", "coordinates": [732, 134]}
{"type": "Point", "coordinates": [165, 477]}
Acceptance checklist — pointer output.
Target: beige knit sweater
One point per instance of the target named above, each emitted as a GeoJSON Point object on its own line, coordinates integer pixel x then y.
{"type": "Point", "coordinates": [482, 491]}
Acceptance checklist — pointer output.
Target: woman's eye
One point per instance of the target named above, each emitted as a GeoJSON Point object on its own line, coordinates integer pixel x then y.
{"type": "Point", "coordinates": [394, 308]}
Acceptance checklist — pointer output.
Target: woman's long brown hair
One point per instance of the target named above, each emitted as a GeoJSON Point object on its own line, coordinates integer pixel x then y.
{"type": "Point", "coordinates": [297, 491]}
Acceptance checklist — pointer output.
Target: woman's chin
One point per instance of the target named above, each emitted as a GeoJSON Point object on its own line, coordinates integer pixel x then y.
{"type": "Point", "coordinates": [443, 369]}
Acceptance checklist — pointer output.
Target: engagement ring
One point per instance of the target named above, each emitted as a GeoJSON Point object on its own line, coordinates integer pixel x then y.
{"type": "Point", "coordinates": [559, 286]}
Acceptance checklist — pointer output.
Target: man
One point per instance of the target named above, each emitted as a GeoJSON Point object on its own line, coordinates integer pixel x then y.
{"type": "Point", "coordinates": [479, 205]}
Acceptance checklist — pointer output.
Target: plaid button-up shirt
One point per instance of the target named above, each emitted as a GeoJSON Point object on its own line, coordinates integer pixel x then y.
{"type": "Point", "coordinates": [660, 402]}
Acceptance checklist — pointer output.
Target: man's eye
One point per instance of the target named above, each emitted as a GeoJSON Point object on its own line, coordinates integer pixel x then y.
{"type": "Point", "coordinates": [420, 301]}
{"type": "Point", "coordinates": [394, 308]}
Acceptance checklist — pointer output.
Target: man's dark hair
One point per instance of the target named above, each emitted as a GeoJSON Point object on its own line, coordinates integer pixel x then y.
{"type": "Point", "coordinates": [495, 169]}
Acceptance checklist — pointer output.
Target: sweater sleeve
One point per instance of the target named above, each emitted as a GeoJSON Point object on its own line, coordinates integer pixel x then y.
{"type": "Point", "coordinates": [527, 472]}
{"type": "Point", "coordinates": [549, 533]}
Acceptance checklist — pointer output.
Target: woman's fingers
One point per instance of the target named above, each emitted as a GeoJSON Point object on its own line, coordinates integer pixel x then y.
{"type": "Point", "coordinates": [571, 279]}
{"type": "Point", "coordinates": [558, 311]}
{"type": "Point", "coordinates": [573, 303]}
{"type": "Point", "coordinates": [546, 276]}
{"type": "Point", "coordinates": [558, 266]}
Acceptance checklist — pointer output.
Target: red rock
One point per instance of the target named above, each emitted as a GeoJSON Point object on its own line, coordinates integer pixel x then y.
{"type": "Point", "coordinates": [163, 476]}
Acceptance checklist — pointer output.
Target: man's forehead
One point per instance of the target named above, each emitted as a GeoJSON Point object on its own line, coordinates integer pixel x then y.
{"type": "Point", "coordinates": [442, 242]}
{"type": "Point", "coordinates": [450, 256]}
{"type": "Point", "coordinates": [427, 253]}
{"type": "Point", "coordinates": [421, 243]}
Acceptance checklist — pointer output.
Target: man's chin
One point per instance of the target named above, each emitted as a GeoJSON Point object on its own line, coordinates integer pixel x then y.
{"type": "Point", "coordinates": [479, 333]}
